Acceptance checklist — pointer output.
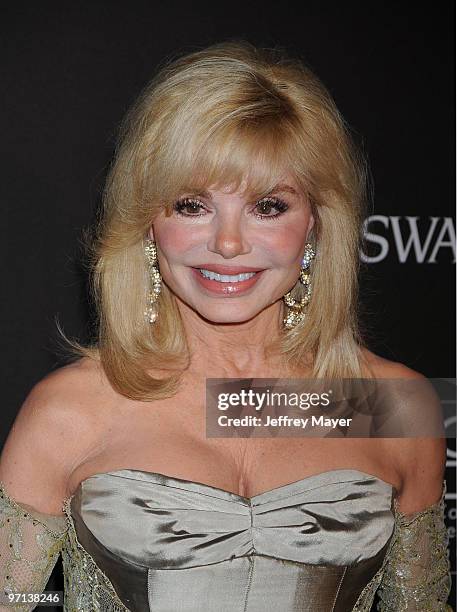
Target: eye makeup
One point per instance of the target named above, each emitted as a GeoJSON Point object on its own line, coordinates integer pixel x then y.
{"type": "Point", "coordinates": [193, 207]}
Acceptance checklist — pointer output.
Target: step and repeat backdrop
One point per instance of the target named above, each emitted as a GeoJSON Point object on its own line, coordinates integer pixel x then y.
{"type": "Point", "coordinates": [71, 71]}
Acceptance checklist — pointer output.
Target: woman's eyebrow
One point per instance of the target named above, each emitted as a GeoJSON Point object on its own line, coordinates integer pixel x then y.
{"type": "Point", "coordinates": [280, 187]}
{"type": "Point", "coordinates": [283, 187]}
{"type": "Point", "coordinates": [202, 193]}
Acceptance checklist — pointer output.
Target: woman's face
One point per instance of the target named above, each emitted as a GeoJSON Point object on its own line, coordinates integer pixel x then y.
{"type": "Point", "coordinates": [228, 257]}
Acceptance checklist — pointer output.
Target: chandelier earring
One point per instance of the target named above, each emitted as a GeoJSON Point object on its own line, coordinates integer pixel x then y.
{"type": "Point", "coordinates": [297, 308]}
{"type": "Point", "coordinates": [151, 311]}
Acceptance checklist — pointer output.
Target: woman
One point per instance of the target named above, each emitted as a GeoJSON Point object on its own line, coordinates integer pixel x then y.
{"type": "Point", "coordinates": [228, 248]}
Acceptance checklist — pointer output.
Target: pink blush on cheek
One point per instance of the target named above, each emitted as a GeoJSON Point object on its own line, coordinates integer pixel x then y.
{"type": "Point", "coordinates": [173, 239]}
{"type": "Point", "coordinates": [284, 252]}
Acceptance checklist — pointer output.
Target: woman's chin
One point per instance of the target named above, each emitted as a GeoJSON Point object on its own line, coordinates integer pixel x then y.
{"type": "Point", "coordinates": [224, 319]}
{"type": "Point", "coordinates": [234, 316]}
{"type": "Point", "coordinates": [226, 312]}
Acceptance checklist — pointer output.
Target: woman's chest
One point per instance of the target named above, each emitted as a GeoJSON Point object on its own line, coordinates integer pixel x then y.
{"type": "Point", "coordinates": [172, 440]}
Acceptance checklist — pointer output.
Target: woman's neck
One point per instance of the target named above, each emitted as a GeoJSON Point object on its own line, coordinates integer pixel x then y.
{"type": "Point", "coordinates": [233, 349]}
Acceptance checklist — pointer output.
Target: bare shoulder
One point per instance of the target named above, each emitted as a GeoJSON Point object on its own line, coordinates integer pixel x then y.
{"type": "Point", "coordinates": [384, 368]}
{"type": "Point", "coordinates": [419, 461]}
{"type": "Point", "coordinates": [57, 426]}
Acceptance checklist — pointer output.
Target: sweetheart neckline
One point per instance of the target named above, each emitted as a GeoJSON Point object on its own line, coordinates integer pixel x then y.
{"type": "Point", "coordinates": [209, 487]}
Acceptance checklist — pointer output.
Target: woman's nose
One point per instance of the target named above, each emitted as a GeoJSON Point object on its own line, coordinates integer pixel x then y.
{"type": "Point", "coordinates": [229, 240]}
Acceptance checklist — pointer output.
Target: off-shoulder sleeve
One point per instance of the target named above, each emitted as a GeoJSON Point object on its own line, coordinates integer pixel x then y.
{"type": "Point", "coordinates": [30, 543]}
{"type": "Point", "coordinates": [417, 575]}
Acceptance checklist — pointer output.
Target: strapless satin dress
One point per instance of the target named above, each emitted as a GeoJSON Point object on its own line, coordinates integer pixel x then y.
{"type": "Point", "coordinates": [172, 545]}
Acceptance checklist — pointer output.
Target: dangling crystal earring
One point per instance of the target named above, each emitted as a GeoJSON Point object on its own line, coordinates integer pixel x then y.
{"type": "Point", "coordinates": [150, 250]}
{"type": "Point", "coordinates": [297, 308]}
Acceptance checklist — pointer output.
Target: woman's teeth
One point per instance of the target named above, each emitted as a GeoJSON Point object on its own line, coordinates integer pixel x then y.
{"type": "Point", "coordinates": [226, 278]}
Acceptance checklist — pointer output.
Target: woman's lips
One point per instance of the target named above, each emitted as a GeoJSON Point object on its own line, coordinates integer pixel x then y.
{"type": "Point", "coordinates": [228, 287]}
{"type": "Point", "coordinates": [224, 269]}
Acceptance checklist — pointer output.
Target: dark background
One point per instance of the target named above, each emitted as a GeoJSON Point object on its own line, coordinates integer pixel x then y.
{"type": "Point", "coordinates": [69, 72]}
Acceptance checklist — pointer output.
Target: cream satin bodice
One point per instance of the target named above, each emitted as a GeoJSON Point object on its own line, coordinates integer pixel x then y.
{"type": "Point", "coordinates": [143, 541]}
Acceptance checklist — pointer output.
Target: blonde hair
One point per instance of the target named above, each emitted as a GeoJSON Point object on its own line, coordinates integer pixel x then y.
{"type": "Point", "coordinates": [213, 118]}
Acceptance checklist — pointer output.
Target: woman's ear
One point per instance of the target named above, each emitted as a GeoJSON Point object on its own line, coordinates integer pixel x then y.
{"type": "Point", "coordinates": [310, 226]}
{"type": "Point", "coordinates": [151, 233]}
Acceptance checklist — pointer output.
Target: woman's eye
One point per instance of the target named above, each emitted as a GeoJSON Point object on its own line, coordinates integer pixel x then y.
{"type": "Point", "coordinates": [188, 207]}
{"type": "Point", "coordinates": [267, 206]}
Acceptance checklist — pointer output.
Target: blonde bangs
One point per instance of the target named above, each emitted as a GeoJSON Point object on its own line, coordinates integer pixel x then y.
{"type": "Point", "coordinates": [250, 155]}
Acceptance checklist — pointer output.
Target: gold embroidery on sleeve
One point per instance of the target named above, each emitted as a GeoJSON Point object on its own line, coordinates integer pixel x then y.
{"type": "Point", "coordinates": [415, 574]}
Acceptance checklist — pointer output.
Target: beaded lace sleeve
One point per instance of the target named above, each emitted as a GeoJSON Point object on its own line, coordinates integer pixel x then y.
{"type": "Point", "coordinates": [417, 575]}
{"type": "Point", "coordinates": [30, 543]}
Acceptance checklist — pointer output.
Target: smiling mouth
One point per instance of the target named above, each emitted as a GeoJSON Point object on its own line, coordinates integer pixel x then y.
{"type": "Point", "coordinates": [226, 278]}
{"type": "Point", "coordinates": [228, 281]}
